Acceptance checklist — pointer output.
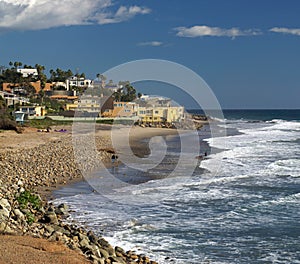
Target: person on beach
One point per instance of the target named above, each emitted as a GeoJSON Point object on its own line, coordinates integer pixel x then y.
{"type": "Point", "coordinates": [114, 159]}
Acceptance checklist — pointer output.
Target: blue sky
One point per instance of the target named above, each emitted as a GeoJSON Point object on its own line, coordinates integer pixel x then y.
{"type": "Point", "coordinates": [247, 51]}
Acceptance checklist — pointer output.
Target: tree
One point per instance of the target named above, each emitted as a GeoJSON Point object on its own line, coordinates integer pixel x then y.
{"type": "Point", "coordinates": [60, 75]}
{"type": "Point", "coordinates": [41, 76]}
{"type": "Point", "coordinates": [6, 120]}
{"type": "Point", "coordinates": [42, 95]}
{"type": "Point", "coordinates": [17, 64]}
{"type": "Point", "coordinates": [126, 94]}
{"type": "Point", "coordinates": [11, 76]}
{"type": "Point", "coordinates": [117, 95]}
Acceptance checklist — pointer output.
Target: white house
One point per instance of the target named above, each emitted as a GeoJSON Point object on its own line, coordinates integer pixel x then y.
{"type": "Point", "coordinates": [78, 82]}
{"type": "Point", "coordinates": [28, 72]}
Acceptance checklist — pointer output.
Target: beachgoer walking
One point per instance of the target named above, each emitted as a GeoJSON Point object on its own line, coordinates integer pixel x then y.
{"type": "Point", "coordinates": [113, 158]}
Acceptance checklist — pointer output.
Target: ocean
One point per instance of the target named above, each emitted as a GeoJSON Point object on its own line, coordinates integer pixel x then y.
{"type": "Point", "coordinates": [240, 205]}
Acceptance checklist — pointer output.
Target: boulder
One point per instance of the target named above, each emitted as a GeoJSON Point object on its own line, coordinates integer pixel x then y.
{"type": "Point", "coordinates": [104, 253]}
{"type": "Point", "coordinates": [19, 214]}
{"type": "Point", "coordinates": [50, 218]}
{"type": "Point", "coordinates": [62, 209]}
{"type": "Point", "coordinates": [4, 209]}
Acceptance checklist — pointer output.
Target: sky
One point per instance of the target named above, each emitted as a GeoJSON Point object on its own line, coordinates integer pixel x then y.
{"type": "Point", "coordinates": [248, 52]}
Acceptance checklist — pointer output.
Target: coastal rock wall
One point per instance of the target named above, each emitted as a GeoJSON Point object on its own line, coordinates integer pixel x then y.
{"type": "Point", "coordinates": [45, 165]}
{"type": "Point", "coordinates": [24, 172]}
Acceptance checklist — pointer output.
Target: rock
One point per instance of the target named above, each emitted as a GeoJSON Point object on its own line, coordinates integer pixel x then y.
{"type": "Point", "coordinates": [19, 215]}
{"type": "Point", "coordinates": [101, 261]}
{"type": "Point", "coordinates": [84, 243]}
{"type": "Point", "coordinates": [110, 250]}
{"type": "Point", "coordinates": [5, 229]}
{"type": "Point", "coordinates": [62, 209]}
{"type": "Point", "coordinates": [92, 237]}
{"type": "Point", "coordinates": [104, 253]}
{"type": "Point", "coordinates": [4, 203]}
{"type": "Point", "coordinates": [81, 236]}
{"type": "Point", "coordinates": [21, 190]}
{"type": "Point", "coordinates": [121, 250]}
{"type": "Point", "coordinates": [61, 229]}
{"type": "Point", "coordinates": [95, 259]}
{"type": "Point", "coordinates": [133, 256]}
{"type": "Point", "coordinates": [102, 242]}
{"type": "Point", "coordinates": [119, 260]}
{"type": "Point", "coordinates": [4, 209]}
{"type": "Point", "coordinates": [20, 183]}
{"type": "Point", "coordinates": [50, 217]}
{"type": "Point", "coordinates": [49, 229]}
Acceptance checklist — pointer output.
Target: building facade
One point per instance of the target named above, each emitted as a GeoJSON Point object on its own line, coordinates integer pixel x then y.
{"type": "Point", "coordinates": [75, 81]}
{"type": "Point", "coordinates": [122, 109]}
{"type": "Point", "coordinates": [33, 110]}
{"type": "Point", "coordinates": [161, 114]}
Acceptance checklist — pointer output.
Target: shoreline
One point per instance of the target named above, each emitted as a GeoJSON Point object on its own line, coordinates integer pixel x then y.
{"type": "Point", "coordinates": [16, 149]}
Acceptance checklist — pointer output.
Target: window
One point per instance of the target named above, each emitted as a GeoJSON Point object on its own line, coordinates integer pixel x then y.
{"type": "Point", "coordinates": [156, 112]}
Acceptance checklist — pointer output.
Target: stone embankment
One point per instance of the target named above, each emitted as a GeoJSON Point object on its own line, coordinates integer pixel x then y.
{"type": "Point", "coordinates": [22, 211]}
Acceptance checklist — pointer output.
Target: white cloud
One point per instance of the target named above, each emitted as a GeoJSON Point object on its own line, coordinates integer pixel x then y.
{"type": "Point", "coordinates": [43, 14]}
{"type": "Point", "coordinates": [292, 31]}
{"type": "Point", "coordinates": [122, 14]}
{"type": "Point", "coordinates": [200, 31]}
{"type": "Point", "coordinates": [151, 43]}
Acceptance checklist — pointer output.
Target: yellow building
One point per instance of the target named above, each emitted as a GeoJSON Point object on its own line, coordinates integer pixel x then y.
{"type": "Point", "coordinates": [169, 114]}
{"type": "Point", "coordinates": [33, 110]}
{"type": "Point", "coordinates": [71, 107]}
{"type": "Point", "coordinates": [121, 109]}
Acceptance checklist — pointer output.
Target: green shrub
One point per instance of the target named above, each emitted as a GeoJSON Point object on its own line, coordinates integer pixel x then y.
{"type": "Point", "coordinates": [26, 199]}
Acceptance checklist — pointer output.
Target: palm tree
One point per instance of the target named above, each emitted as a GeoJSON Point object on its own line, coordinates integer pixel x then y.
{"type": "Point", "coordinates": [17, 64]}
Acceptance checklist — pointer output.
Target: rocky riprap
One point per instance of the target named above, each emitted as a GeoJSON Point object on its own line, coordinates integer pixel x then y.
{"type": "Point", "coordinates": [22, 212]}
{"type": "Point", "coordinates": [47, 165]}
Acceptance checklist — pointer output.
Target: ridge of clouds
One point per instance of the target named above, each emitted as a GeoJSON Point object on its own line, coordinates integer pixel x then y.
{"type": "Point", "coordinates": [203, 30]}
{"type": "Point", "coordinates": [43, 14]}
{"type": "Point", "coordinates": [284, 30]}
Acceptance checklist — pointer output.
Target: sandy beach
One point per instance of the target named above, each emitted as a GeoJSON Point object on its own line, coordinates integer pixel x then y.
{"type": "Point", "coordinates": [42, 162]}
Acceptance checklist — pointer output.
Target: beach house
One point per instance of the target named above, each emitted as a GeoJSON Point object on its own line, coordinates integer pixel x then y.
{"type": "Point", "coordinates": [121, 109]}
{"type": "Point", "coordinates": [161, 114]}
{"type": "Point", "coordinates": [33, 110]}
{"type": "Point", "coordinates": [158, 109]}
